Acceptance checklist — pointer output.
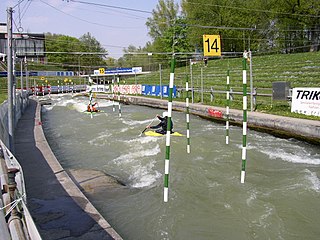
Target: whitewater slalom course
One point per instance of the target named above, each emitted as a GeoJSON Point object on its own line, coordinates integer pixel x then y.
{"type": "Point", "coordinates": [304, 129]}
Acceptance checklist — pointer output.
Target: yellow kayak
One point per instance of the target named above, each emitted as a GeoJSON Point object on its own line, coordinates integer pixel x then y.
{"type": "Point", "coordinates": [155, 134]}
{"type": "Point", "coordinates": [99, 111]}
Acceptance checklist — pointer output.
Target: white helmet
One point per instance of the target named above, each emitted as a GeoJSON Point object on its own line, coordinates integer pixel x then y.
{"type": "Point", "coordinates": [165, 114]}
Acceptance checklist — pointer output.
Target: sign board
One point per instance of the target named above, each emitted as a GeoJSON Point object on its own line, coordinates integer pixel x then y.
{"type": "Point", "coordinates": [306, 101]}
{"type": "Point", "coordinates": [211, 45]}
{"type": "Point", "coordinates": [157, 90]}
{"type": "Point", "coordinates": [101, 70]}
{"type": "Point", "coordinates": [128, 89]}
{"type": "Point", "coordinates": [124, 70]}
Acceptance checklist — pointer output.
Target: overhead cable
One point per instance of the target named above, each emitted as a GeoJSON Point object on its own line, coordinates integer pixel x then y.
{"type": "Point", "coordinates": [110, 6]}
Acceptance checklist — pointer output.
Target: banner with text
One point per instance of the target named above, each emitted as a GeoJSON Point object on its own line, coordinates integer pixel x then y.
{"type": "Point", "coordinates": [306, 101]}
{"type": "Point", "coordinates": [128, 89]}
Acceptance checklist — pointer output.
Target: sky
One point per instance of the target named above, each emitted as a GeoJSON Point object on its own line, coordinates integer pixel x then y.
{"type": "Point", "coordinates": [115, 24]}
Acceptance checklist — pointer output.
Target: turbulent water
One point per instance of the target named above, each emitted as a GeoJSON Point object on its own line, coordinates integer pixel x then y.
{"type": "Point", "coordinates": [279, 199]}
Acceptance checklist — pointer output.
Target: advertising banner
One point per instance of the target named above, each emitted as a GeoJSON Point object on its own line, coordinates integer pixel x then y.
{"type": "Point", "coordinates": [156, 90]}
{"type": "Point", "coordinates": [98, 88]}
{"type": "Point", "coordinates": [128, 89]}
{"type": "Point", "coordinates": [306, 101]}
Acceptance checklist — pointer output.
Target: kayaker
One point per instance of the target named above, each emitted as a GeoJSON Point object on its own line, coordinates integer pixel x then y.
{"type": "Point", "coordinates": [162, 126]}
{"type": "Point", "coordinates": [91, 108]}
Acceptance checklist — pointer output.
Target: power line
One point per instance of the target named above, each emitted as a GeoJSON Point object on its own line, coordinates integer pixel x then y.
{"type": "Point", "coordinates": [128, 15]}
{"type": "Point", "coordinates": [66, 41]}
{"type": "Point", "coordinates": [253, 10]}
{"type": "Point", "coordinates": [217, 27]}
{"type": "Point", "coordinates": [19, 2]}
{"type": "Point", "coordinates": [109, 6]}
{"type": "Point", "coordinates": [83, 20]}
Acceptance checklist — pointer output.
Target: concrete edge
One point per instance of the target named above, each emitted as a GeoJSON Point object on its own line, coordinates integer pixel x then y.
{"type": "Point", "coordinates": [70, 187]}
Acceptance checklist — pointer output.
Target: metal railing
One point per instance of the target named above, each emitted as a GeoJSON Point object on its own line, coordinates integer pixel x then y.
{"type": "Point", "coordinates": [218, 93]}
{"type": "Point", "coordinates": [15, 219]}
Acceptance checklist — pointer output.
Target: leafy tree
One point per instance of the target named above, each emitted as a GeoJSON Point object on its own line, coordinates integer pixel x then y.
{"type": "Point", "coordinates": [62, 45]}
{"type": "Point", "coordinates": [70, 51]}
{"type": "Point", "coordinates": [168, 31]}
{"type": "Point", "coordinates": [231, 19]}
{"type": "Point", "coordinates": [299, 24]}
{"type": "Point", "coordinates": [92, 46]}
{"type": "Point", "coordinates": [163, 16]}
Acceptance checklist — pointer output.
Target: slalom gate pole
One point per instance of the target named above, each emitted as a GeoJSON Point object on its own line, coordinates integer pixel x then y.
{"type": "Point", "coordinates": [227, 107]}
{"type": "Point", "coordinates": [118, 80]}
{"type": "Point", "coordinates": [166, 162]}
{"type": "Point", "coordinates": [187, 115]}
{"type": "Point", "coordinates": [113, 95]}
{"type": "Point", "coordinates": [244, 125]}
{"type": "Point", "coordinates": [90, 95]}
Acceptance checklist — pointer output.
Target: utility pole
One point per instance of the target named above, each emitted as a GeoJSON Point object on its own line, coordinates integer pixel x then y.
{"type": "Point", "coordinates": [27, 74]}
{"type": "Point", "coordinates": [10, 80]}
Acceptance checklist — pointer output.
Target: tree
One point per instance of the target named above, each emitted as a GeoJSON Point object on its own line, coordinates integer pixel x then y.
{"type": "Point", "coordinates": [233, 20]}
{"type": "Point", "coordinates": [162, 17]}
{"type": "Point", "coordinates": [62, 45]}
{"type": "Point", "coordinates": [168, 31]}
{"type": "Point", "coordinates": [92, 46]}
{"type": "Point", "coordinates": [299, 25]}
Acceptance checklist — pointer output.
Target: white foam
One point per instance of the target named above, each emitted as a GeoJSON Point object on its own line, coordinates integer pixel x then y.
{"type": "Point", "coordinates": [313, 179]}
{"type": "Point", "coordinates": [136, 154]}
{"type": "Point", "coordinates": [46, 108]}
{"type": "Point", "coordinates": [142, 140]}
{"type": "Point", "coordinates": [252, 197]}
{"type": "Point", "coordinates": [144, 176]}
{"type": "Point", "coordinates": [296, 157]}
{"type": "Point", "coordinates": [124, 130]}
{"type": "Point", "coordinates": [101, 139]}
{"type": "Point", "coordinates": [138, 165]}
{"type": "Point", "coordinates": [80, 107]}
{"type": "Point", "coordinates": [136, 122]}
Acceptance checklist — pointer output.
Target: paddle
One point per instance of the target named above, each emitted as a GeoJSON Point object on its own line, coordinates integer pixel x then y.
{"type": "Point", "coordinates": [147, 126]}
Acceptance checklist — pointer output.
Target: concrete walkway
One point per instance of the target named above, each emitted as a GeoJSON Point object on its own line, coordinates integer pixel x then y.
{"type": "Point", "coordinates": [59, 208]}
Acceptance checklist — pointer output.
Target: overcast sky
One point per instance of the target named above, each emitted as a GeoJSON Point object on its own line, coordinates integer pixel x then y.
{"type": "Point", "coordinates": [115, 27]}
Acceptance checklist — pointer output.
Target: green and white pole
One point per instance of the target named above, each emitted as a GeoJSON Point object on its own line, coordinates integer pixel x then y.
{"type": "Point", "coordinates": [118, 80]}
{"type": "Point", "coordinates": [187, 115]}
{"type": "Point", "coordinates": [227, 107]}
{"type": "Point", "coordinates": [113, 95]}
{"type": "Point", "coordinates": [90, 94]}
{"type": "Point", "coordinates": [244, 125]}
{"type": "Point", "coordinates": [166, 162]}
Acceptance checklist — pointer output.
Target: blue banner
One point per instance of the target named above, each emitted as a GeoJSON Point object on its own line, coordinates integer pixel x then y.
{"type": "Point", "coordinates": [156, 90]}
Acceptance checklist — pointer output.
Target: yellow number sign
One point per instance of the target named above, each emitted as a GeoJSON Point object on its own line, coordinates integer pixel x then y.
{"type": "Point", "coordinates": [101, 70]}
{"type": "Point", "coordinates": [211, 45]}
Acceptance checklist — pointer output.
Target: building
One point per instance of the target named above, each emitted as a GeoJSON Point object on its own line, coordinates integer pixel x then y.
{"type": "Point", "coordinates": [30, 45]}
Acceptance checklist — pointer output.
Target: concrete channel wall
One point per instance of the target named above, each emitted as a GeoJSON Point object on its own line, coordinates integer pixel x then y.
{"type": "Point", "coordinates": [302, 129]}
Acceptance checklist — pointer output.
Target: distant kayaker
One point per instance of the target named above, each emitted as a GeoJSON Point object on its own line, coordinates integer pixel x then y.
{"type": "Point", "coordinates": [162, 126]}
{"type": "Point", "coordinates": [91, 107]}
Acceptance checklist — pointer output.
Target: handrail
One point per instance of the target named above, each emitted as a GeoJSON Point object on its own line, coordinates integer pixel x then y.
{"type": "Point", "coordinates": [17, 220]}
